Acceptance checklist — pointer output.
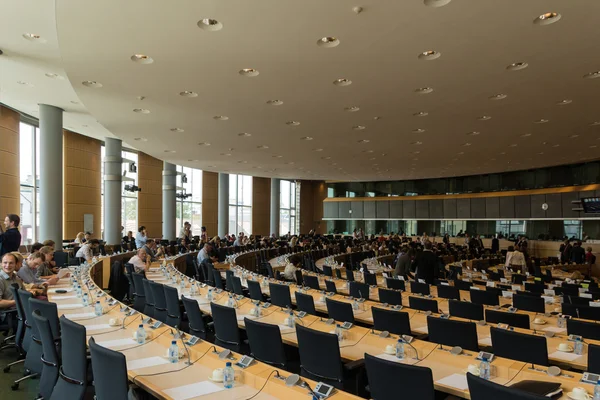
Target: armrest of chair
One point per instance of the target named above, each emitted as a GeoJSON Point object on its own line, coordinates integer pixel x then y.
{"type": "Point", "coordinates": [354, 365]}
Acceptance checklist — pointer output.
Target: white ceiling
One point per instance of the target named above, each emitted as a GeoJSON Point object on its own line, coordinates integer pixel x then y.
{"type": "Point", "coordinates": [378, 52]}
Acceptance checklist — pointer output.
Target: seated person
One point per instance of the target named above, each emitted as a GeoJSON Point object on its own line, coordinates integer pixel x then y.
{"type": "Point", "coordinates": [141, 261]}
{"type": "Point", "coordinates": [8, 277]}
{"type": "Point", "coordinates": [28, 272]}
{"type": "Point", "coordinates": [152, 251]}
{"type": "Point", "coordinates": [48, 268]}
{"type": "Point", "coordinates": [87, 250]}
{"type": "Point", "coordinates": [128, 241]}
{"type": "Point", "coordinates": [80, 238]}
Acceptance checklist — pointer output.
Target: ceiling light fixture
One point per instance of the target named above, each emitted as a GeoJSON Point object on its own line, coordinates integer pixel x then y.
{"type": "Point", "coordinates": [203, 144]}
{"type": "Point", "coordinates": [169, 151]}
{"type": "Point", "coordinates": [52, 75]}
{"type": "Point", "coordinates": [23, 83]}
{"type": "Point", "coordinates": [187, 93]}
{"type": "Point", "coordinates": [306, 138]}
{"type": "Point", "coordinates": [142, 59]}
{"type": "Point", "coordinates": [140, 139]}
{"type": "Point", "coordinates": [541, 121]}
{"type": "Point", "coordinates": [328, 42]}
{"type": "Point", "coordinates": [249, 72]}
{"type": "Point", "coordinates": [318, 149]}
{"type": "Point", "coordinates": [32, 37]}
{"type": "Point", "coordinates": [364, 141]}
{"type": "Point", "coordinates": [474, 133]}
{"type": "Point", "coordinates": [178, 130]}
{"type": "Point", "coordinates": [418, 130]}
{"type": "Point", "coordinates": [429, 55]}
{"type": "Point", "coordinates": [517, 66]}
{"type": "Point", "coordinates": [209, 24]}
{"type": "Point", "coordinates": [225, 154]}
{"type": "Point", "coordinates": [274, 102]}
{"type": "Point", "coordinates": [367, 151]}
{"type": "Point", "coordinates": [595, 123]}
{"type": "Point", "coordinates": [592, 75]}
{"type": "Point", "coordinates": [547, 18]}
{"type": "Point", "coordinates": [436, 3]}
{"type": "Point", "coordinates": [421, 114]}
{"type": "Point", "coordinates": [424, 90]}
{"type": "Point", "coordinates": [92, 84]}
{"type": "Point", "coordinates": [564, 102]}
{"type": "Point", "coordinates": [277, 156]}
{"type": "Point", "coordinates": [141, 111]}
{"type": "Point", "coordinates": [352, 109]}
{"type": "Point", "coordinates": [221, 117]}
{"type": "Point", "coordinates": [359, 127]}
{"type": "Point", "coordinates": [484, 118]}
{"type": "Point", "coordinates": [466, 144]}
{"type": "Point", "coordinates": [525, 135]}
{"type": "Point", "coordinates": [513, 145]}
{"type": "Point", "coordinates": [292, 123]}
{"type": "Point", "coordinates": [416, 143]}
{"type": "Point", "coordinates": [262, 147]}
{"type": "Point", "coordinates": [342, 82]}
{"type": "Point", "coordinates": [244, 134]}
{"type": "Point", "coordinates": [498, 96]}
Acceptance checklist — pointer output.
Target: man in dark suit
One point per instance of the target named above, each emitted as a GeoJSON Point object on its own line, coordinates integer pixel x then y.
{"type": "Point", "coordinates": [426, 265]}
{"type": "Point", "coordinates": [495, 244]}
{"type": "Point", "coordinates": [10, 240]}
{"type": "Point", "coordinates": [578, 253]}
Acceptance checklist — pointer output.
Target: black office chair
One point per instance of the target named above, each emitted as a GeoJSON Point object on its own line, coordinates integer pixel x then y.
{"type": "Point", "coordinates": [173, 310]}
{"type": "Point", "coordinates": [19, 330]}
{"type": "Point", "coordinates": [72, 381]}
{"type": "Point", "coordinates": [237, 285]}
{"type": "Point", "coordinates": [280, 295]}
{"type": "Point", "coordinates": [519, 346]}
{"type": "Point", "coordinates": [462, 285]}
{"type": "Point", "coordinates": [320, 358]}
{"type": "Point", "coordinates": [388, 380]}
{"type": "Point", "coordinates": [312, 282]}
{"type": "Point", "coordinates": [33, 364]}
{"type": "Point", "coordinates": [452, 333]}
{"type": "Point", "coordinates": [110, 373]}
{"type": "Point", "coordinates": [518, 279]}
{"type": "Point", "coordinates": [584, 312]}
{"type": "Point", "coordinates": [49, 311]}
{"type": "Point", "coordinates": [160, 303]}
{"type": "Point", "coordinates": [330, 286]}
{"type": "Point", "coordinates": [306, 303]}
{"type": "Point", "coordinates": [339, 310]}
{"type": "Point", "coordinates": [535, 287]}
{"type": "Point", "coordinates": [255, 290]}
{"type": "Point", "coordinates": [299, 277]}
{"type": "Point", "coordinates": [327, 270]}
{"type": "Point", "coordinates": [418, 303]}
{"type": "Point", "coordinates": [49, 358]}
{"type": "Point", "coordinates": [359, 290]}
{"type": "Point", "coordinates": [396, 322]}
{"type": "Point", "coordinates": [589, 330]}
{"type": "Point", "coordinates": [482, 389]}
{"type": "Point", "coordinates": [496, 290]}
{"type": "Point", "coordinates": [139, 303]}
{"type": "Point", "coordinates": [593, 358]}
{"type": "Point", "coordinates": [217, 278]}
{"type": "Point", "coordinates": [370, 279]}
{"type": "Point", "coordinates": [269, 270]}
{"type": "Point", "coordinates": [465, 309]}
{"type": "Point", "coordinates": [512, 319]}
{"type": "Point", "coordinates": [395, 284]}
{"type": "Point", "coordinates": [196, 324]}
{"type": "Point", "coordinates": [448, 292]}
{"type": "Point", "coordinates": [391, 297]}
{"type": "Point", "coordinates": [61, 258]}
{"type": "Point", "coordinates": [227, 333]}
{"type": "Point", "coordinates": [349, 274]}
{"type": "Point", "coordinates": [484, 297]}
{"type": "Point", "coordinates": [338, 273]}
{"type": "Point", "coordinates": [265, 343]}
{"type": "Point", "coordinates": [419, 288]}
{"type": "Point", "coordinates": [149, 306]}
{"type": "Point", "coordinates": [529, 303]}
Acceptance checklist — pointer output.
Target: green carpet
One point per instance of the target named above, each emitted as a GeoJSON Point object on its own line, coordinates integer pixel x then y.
{"type": "Point", "coordinates": [28, 389]}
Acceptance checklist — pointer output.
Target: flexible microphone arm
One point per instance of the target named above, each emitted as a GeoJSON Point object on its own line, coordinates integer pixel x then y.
{"type": "Point", "coordinates": [125, 318]}
{"type": "Point", "coordinates": [181, 335]}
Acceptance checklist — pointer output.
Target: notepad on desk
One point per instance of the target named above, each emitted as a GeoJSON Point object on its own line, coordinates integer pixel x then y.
{"type": "Point", "coordinates": [80, 315]}
{"type": "Point", "coordinates": [145, 363]}
{"type": "Point", "coordinates": [561, 355]}
{"type": "Point", "coordinates": [117, 343]}
{"type": "Point", "coordinates": [69, 306]}
{"type": "Point", "coordinates": [457, 381]}
{"type": "Point", "coordinates": [193, 390]}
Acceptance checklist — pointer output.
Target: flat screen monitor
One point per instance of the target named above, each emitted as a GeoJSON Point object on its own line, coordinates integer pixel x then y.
{"type": "Point", "coordinates": [591, 205]}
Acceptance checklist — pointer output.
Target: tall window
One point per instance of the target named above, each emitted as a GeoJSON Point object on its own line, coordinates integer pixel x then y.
{"type": "Point", "coordinates": [452, 227]}
{"type": "Point", "coordinates": [572, 228]}
{"type": "Point", "coordinates": [240, 204]}
{"type": "Point", "coordinates": [510, 227]}
{"type": "Point", "coordinates": [29, 171]}
{"type": "Point", "coordinates": [189, 201]}
{"type": "Point", "coordinates": [287, 207]}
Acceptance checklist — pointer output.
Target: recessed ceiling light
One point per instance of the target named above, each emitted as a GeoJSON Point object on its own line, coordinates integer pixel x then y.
{"type": "Point", "coordinates": [203, 144]}
{"type": "Point", "coordinates": [541, 121]}
{"type": "Point", "coordinates": [274, 102]}
{"type": "Point", "coordinates": [460, 153]}
{"type": "Point", "coordinates": [359, 127]}
{"type": "Point", "coordinates": [209, 24]}
{"type": "Point", "coordinates": [328, 41]}
{"type": "Point", "coordinates": [573, 136]}
{"type": "Point", "coordinates": [342, 82]}
{"type": "Point", "coordinates": [194, 161]}
{"type": "Point", "coordinates": [376, 118]}
{"type": "Point", "coordinates": [352, 109]}
{"type": "Point", "coordinates": [23, 83]}
{"type": "Point", "coordinates": [466, 144]}
{"type": "Point", "coordinates": [436, 3]}
{"type": "Point", "coordinates": [502, 153]}
{"type": "Point", "coordinates": [474, 133]}
{"type": "Point", "coordinates": [32, 37]}
{"type": "Point", "coordinates": [421, 114]}
{"type": "Point", "coordinates": [547, 18]}
{"type": "Point", "coordinates": [221, 117]}
{"type": "Point", "coordinates": [513, 145]}
{"type": "Point", "coordinates": [179, 130]}
{"type": "Point", "coordinates": [367, 151]}
{"type": "Point", "coordinates": [52, 75]}
{"type": "Point", "coordinates": [556, 145]}
{"type": "Point", "coordinates": [564, 102]}
{"type": "Point", "coordinates": [429, 55]}
{"type": "Point", "coordinates": [526, 135]}
{"type": "Point", "coordinates": [484, 118]}
{"type": "Point", "coordinates": [208, 166]}
{"type": "Point", "coordinates": [592, 75]}
{"type": "Point", "coordinates": [262, 147]}
{"type": "Point", "coordinates": [364, 141]}
{"type": "Point", "coordinates": [169, 151]}
{"type": "Point", "coordinates": [140, 139]}
{"type": "Point", "coordinates": [249, 72]}
{"type": "Point", "coordinates": [326, 158]}
{"type": "Point", "coordinates": [187, 93]}
{"type": "Point", "coordinates": [142, 59]}
{"type": "Point", "coordinates": [306, 138]}
{"type": "Point", "coordinates": [244, 134]}
{"type": "Point", "coordinates": [416, 143]}
{"type": "Point", "coordinates": [225, 154]}
{"type": "Point", "coordinates": [318, 149]}
{"type": "Point", "coordinates": [140, 98]}
{"type": "Point", "coordinates": [498, 96]}
{"type": "Point", "coordinates": [517, 66]}
{"type": "Point", "coordinates": [290, 163]}
{"type": "Point", "coordinates": [541, 153]}
{"type": "Point", "coordinates": [593, 146]}
{"type": "Point", "coordinates": [293, 123]}
{"type": "Point", "coordinates": [595, 123]}
{"type": "Point", "coordinates": [418, 130]}
{"type": "Point", "coordinates": [141, 111]}
{"type": "Point", "coordinates": [92, 84]}
{"type": "Point", "coordinates": [74, 102]}
{"type": "Point", "coordinates": [242, 162]}
{"type": "Point", "coordinates": [277, 156]}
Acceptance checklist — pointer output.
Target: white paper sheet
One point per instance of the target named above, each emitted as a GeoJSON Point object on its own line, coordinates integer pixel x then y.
{"type": "Point", "coordinates": [285, 329]}
{"type": "Point", "coordinates": [69, 306]}
{"type": "Point", "coordinates": [554, 329]}
{"type": "Point", "coordinates": [193, 390]}
{"type": "Point", "coordinates": [455, 380]}
{"type": "Point", "coordinates": [422, 329]}
{"type": "Point", "coordinates": [561, 355]}
{"type": "Point", "coordinates": [81, 315]}
{"type": "Point", "coordinates": [145, 363]}
{"type": "Point", "coordinates": [486, 341]}
{"type": "Point", "coordinates": [241, 317]}
{"type": "Point", "coordinates": [117, 343]}
{"type": "Point", "coordinates": [67, 289]}
{"type": "Point", "coordinates": [64, 297]}
{"type": "Point", "coordinates": [97, 327]}
{"type": "Point", "coordinates": [389, 357]}
{"type": "Point", "coordinates": [63, 272]}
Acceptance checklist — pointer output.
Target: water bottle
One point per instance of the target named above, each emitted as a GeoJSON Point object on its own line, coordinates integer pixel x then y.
{"type": "Point", "coordinates": [400, 349]}
{"type": "Point", "coordinates": [484, 369]}
{"type": "Point", "coordinates": [174, 278]}
{"type": "Point", "coordinates": [86, 301]}
{"type": "Point", "coordinates": [78, 291]}
{"type": "Point", "coordinates": [98, 309]}
{"type": "Point", "coordinates": [578, 347]}
{"type": "Point", "coordinates": [230, 302]}
{"type": "Point", "coordinates": [140, 334]}
{"type": "Point", "coordinates": [209, 295]}
{"type": "Point", "coordinates": [355, 305]}
{"type": "Point", "coordinates": [257, 310]}
{"type": "Point", "coordinates": [228, 376]}
{"type": "Point", "coordinates": [291, 319]}
{"type": "Point", "coordinates": [193, 289]}
{"type": "Point", "coordinates": [339, 332]}
{"type": "Point", "coordinates": [182, 284]}
{"type": "Point", "coordinates": [561, 321]}
{"type": "Point", "coordinates": [597, 391]}
{"type": "Point", "coordinates": [173, 352]}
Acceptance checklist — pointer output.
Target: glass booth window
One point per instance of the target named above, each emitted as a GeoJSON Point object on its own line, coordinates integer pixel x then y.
{"type": "Point", "coordinates": [240, 204]}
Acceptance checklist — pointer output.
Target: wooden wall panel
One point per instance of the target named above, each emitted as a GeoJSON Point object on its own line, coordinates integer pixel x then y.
{"type": "Point", "coordinates": [9, 162]}
{"type": "Point", "coordinates": [312, 194]}
{"type": "Point", "coordinates": [82, 186]}
{"type": "Point", "coordinates": [261, 206]}
{"type": "Point", "coordinates": [150, 198]}
{"type": "Point", "coordinates": [210, 202]}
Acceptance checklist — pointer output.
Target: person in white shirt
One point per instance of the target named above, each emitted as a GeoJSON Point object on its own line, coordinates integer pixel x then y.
{"type": "Point", "coordinates": [87, 250]}
{"type": "Point", "coordinates": [204, 253]}
{"type": "Point", "coordinates": [141, 261]}
{"type": "Point", "coordinates": [289, 273]}
{"type": "Point", "coordinates": [240, 240]}
{"type": "Point", "coordinates": [80, 238]}
{"type": "Point", "coordinates": [141, 237]}
{"type": "Point", "coordinates": [517, 261]}
{"type": "Point", "coordinates": [509, 254]}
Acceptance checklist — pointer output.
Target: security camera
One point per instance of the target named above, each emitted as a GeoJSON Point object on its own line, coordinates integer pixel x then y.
{"type": "Point", "coordinates": [132, 188]}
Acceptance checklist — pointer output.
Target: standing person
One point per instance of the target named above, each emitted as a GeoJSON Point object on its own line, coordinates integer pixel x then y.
{"type": "Point", "coordinates": [10, 237]}
{"type": "Point", "coordinates": [404, 262]}
{"type": "Point", "coordinates": [590, 258]}
{"type": "Point", "coordinates": [517, 261]}
{"type": "Point", "coordinates": [578, 253]}
{"type": "Point", "coordinates": [509, 254]}
{"type": "Point", "coordinates": [203, 235]}
{"type": "Point", "coordinates": [495, 244]}
{"type": "Point", "coordinates": [426, 265]}
{"type": "Point", "coordinates": [565, 251]}
{"type": "Point", "coordinates": [141, 237]}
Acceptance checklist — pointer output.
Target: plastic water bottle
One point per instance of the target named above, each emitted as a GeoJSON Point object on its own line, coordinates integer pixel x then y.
{"type": "Point", "coordinates": [173, 352]}
{"type": "Point", "coordinates": [355, 305]}
{"type": "Point", "coordinates": [140, 334]}
{"type": "Point", "coordinates": [484, 369]}
{"type": "Point", "coordinates": [182, 284]}
{"type": "Point", "coordinates": [339, 332]}
{"type": "Point", "coordinates": [400, 349]}
{"type": "Point", "coordinates": [291, 319]}
{"type": "Point", "coordinates": [578, 348]}
{"type": "Point", "coordinates": [228, 376]}
{"type": "Point", "coordinates": [562, 322]}
{"type": "Point", "coordinates": [230, 302]}
{"type": "Point", "coordinates": [78, 290]}
{"type": "Point", "coordinates": [86, 301]}
{"type": "Point", "coordinates": [98, 309]}
{"type": "Point", "coordinates": [193, 290]}
{"type": "Point", "coordinates": [209, 295]}
{"type": "Point", "coordinates": [597, 391]}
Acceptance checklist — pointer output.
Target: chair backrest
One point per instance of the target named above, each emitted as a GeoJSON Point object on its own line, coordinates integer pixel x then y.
{"type": "Point", "coordinates": [280, 295]}
{"type": "Point", "coordinates": [484, 297]}
{"type": "Point", "coordinates": [418, 303]}
{"type": "Point", "coordinates": [299, 277]}
{"type": "Point", "coordinates": [327, 270]}
{"type": "Point", "coordinates": [585, 312]}
{"type": "Point", "coordinates": [255, 290]}
{"type": "Point", "coordinates": [172, 301]}
{"type": "Point", "coordinates": [589, 330]}
{"type": "Point", "coordinates": [419, 288]}
{"type": "Point", "coordinates": [519, 346]}
{"type": "Point", "coordinates": [320, 355]}
{"type": "Point", "coordinates": [72, 382]}
{"type": "Point", "coordinates": [593, 358]}
{"type": "Point", "coordinates": [196, 323]}
{"type": "Point", "coordinates": [138, 280]}
{"type": "Point", "coordinates": [330, 286]}
{"type": "Point", "coordinates": [24, 296]}
{"type": "Point", "coordinates": [228, 281]}
{"type": "Point", "coordinates": [448, 292]}
{"type": "Point", "coordinates": [49, 357]}
{"type": "Point", "coordinates": [21, 317]}
{"type": "Point", "coordinates": [160, 302]}
{"type": "Point", "coordinates": [512, 319]}
{"type": "Point", "coordinates": [269, 270]}
{"type": "Point", "coordinates": [395, 284]}
{"type": "Point", "coordinates": [534, 287]}
{"type": "Point", "coordinates": [462, 285]}
{"type": "Point", "coordinates": [529, 303]}
{"type": "Point", "coordinates": [370, 279]}
{"type": "Point", "coordinates": [226, 327]}
{"type": "Point", "coordinates": [387, 379]}
{"type": "Point", "coordinates": [392, 297]}
{"type": "Point", "coordinates": [349, 273]}
{"type": "Point", "coordinates": [465, 309]}
{"type": "Point", "coordinates": [452, 333]}
{"type": "Point", "coordinates": [265, 343]}
{"type": "Point", "coordinates": [396, 322]}
{"type": "Point", "coordinates": [217, 277]}
{"type": "Point", "coordinates": [338, 273]}
{"type": "Point", "coordinates": [312, 282]}
{"type": "Point", "coordinates": [49, 311]}
{"type": "Point", "coordinates": [306, 303]}
{"type": "Point", "coordinates": [359, 290]}
{"type": "Point", "coordinates": [61, 258]}
{"type": "Point", "coordinates": [110, 373]}
{"type": "Point", "coordinates": [339, 311]}
{"type": "Point", "coordinates": [237, 285]}
{"type": "Point", "coordinates": [482, 389]}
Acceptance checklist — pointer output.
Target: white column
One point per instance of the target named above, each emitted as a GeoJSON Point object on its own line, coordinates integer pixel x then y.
{"type": "Point", "coordinates": [275, 198]}
{"type": "Point", "coordinates": [223, 205]}
{"type": "Point", "coordinates": [113, 164]}
{"type": "Point", "coordinates": [168, 201]}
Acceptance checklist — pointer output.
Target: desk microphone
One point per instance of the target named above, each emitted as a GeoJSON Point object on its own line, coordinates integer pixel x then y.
{"type": "Point", "coordinates": [125, 318]}
{"type": "Point", "coordinates": [93, 301]}
{"type": "Point", "coordinates": [181, 336]}
{"type": "Point", "coordinates": [294, 380]}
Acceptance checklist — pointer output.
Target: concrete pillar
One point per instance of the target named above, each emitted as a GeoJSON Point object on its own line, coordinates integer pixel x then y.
{"type": "Point", "coordinates": [51, 174]}
{"type": "Point", "coordinates": [169, 188]}
{"type": "Point", "coordinates": [223, 205]}
{"type": "Point", "coordinates": [275, 200]}
{"type": "Point", "coordinates": [113, 165]}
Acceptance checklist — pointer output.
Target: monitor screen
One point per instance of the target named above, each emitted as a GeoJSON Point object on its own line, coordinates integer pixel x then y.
{"type": "Point", "coordinates": [591, 205]}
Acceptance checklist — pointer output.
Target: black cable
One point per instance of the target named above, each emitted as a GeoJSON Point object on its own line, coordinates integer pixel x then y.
{"type": "Point", "coordinates": [146, 342]}
{"type": "Point", "coordinates": [517, 374]}
{"type": "Point", "coordinates": [263, 386]}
